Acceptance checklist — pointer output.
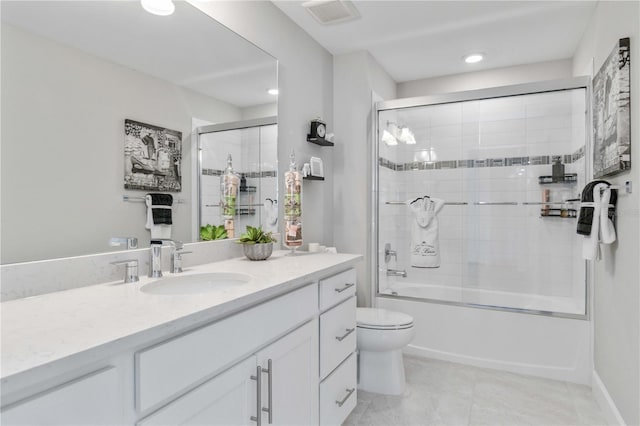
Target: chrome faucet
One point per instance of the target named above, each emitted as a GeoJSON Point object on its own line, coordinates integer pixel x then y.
{"type": "Point", "coordinates": [155, 270]}
{"type": "Point", "coordinates": [396, 273]}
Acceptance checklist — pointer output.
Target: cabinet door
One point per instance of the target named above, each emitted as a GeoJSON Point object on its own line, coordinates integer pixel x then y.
{"type": "Point", "coordinates": [90, 400]}
{"type": "Point", "coordinates": [227, 399]}
{"type": "Point", "coordinates": [294, 378]}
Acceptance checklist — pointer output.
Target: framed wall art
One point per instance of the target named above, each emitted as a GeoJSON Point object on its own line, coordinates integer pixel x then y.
{"type": "Point", "coordinates": [612, 113]}
{"type": "Point", "coordinates": [152, 157]}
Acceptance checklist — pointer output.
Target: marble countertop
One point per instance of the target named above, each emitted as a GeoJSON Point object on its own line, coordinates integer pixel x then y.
{"type": "Point", "coordinates": [103, 319]}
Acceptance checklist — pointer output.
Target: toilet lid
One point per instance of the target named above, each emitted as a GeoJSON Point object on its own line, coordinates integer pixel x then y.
{"type": "Point", "coordinates": [382, 319]}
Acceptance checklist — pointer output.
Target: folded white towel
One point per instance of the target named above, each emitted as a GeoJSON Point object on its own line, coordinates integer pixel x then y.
{"type": "Point", "coordinates": [425, 248]}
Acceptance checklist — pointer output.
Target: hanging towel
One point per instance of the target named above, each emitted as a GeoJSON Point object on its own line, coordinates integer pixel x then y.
{"type": "Point", "coordinates": [159, 215]}
{"type": "Point", "coordinates": [425, 249]}
{"type": "Point", "coordinates": [600, 215]}
{"type": "Point", "coordinates": [585, 217]}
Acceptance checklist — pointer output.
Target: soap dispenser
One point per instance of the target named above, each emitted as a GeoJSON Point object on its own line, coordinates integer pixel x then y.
{"type": "Point", "coordinates": [557, 171]}
{"type": "Point", "coordinates": [293, 206]}
{"type": "Point", "coordinates": [229, 182]}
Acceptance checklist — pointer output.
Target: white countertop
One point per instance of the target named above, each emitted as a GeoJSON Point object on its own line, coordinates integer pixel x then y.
{"type": "Point", "coordinates": [101, 319]}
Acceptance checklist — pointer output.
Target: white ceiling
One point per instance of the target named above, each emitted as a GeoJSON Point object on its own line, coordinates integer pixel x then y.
{"type": "Point", "coordinates": [188, 48]}
{"type": "Point", "coordinates": [419, 39]}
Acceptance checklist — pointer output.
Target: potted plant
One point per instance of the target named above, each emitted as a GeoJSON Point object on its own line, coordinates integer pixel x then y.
{"type": "Point", "coordinates": [212, 232]}
{"type": "Point", "coordinates": [257, 244]}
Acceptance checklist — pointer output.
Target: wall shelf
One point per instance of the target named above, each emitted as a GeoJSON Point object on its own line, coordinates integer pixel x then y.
{"type": "Point", "coordinates": [561, 213]}
{"type": "Point", "coordinates": [321, 142]}
{"type": "Point", "coordinates": [568, 178]}
{"type": "Point", "coordinates": [313, 178]}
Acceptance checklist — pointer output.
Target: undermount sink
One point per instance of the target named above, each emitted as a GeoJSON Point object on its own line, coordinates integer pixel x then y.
{"type": "Point", "coordinates": [196, 283]}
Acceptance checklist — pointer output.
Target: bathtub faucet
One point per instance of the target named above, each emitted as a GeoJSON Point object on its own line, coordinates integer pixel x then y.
{"type": "Point", "coordinates": [396, 273]}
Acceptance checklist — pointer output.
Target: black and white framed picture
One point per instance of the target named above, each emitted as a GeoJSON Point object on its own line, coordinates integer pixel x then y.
{"type": "Point", "coordinates": [612, 113]}
{"type": "Point", "coordinates": [152, 157]}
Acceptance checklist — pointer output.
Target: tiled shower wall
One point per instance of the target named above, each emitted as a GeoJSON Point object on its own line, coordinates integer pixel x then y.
{"type": "Point", "coordinates": [488, 151]}
{"type": "Point", "coordinates": [254, 153]}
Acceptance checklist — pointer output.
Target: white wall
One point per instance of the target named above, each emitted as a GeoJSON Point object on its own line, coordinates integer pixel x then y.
{"type": "Point", "coordinates": [519, 74]}
{"type": "Point", "coordinates": [356, 76]}
{"type": "Point", "coordinates": [62, 147]}
{"type": "Point", "coordinates": [616, 291]}
{"type": "Point", "coordinates": [305, 79]}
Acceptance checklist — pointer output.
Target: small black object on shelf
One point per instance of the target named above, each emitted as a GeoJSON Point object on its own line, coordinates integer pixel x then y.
{"type": "Point", "coordinates": [568, 178]}
{"type": "Point", "coordinates": [317, 133]}
{"type": "Point", "coordinates": [313, 177]}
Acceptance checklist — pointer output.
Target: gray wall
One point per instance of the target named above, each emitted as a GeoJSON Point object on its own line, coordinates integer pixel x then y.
{"type": "Point", "coordinates": [63, 141]}
{"type": "Point", "coordinates": [616, 313]}
{"type": "Point", "coordinates": [305, 80]}
{"type": "Point", "coordinates": [356, 76]}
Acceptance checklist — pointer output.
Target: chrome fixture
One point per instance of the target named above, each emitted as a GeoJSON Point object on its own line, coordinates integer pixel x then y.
{"type": "Point", "coordinates": [155, 271]}
{"type": "Point", "coordinates": [396, 273]}
{"type": "Point", "coordinates": [388, 253]}
{"type": "Point", "coordinates": [258, 378]}
{"type": "Point", "coordinates": [131, 270]}
{"type": "Point", "coordinates": [130, 242]}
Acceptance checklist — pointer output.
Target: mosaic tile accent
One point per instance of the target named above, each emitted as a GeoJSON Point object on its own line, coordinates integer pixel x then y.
{"type": "Point", "coordinates": [487, 162]}
{"type": "Point", "coordinates": [216, 172]}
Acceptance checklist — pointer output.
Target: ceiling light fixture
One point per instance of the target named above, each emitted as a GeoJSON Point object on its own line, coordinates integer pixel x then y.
{"type": "Point", "coordinates": [273, 92]}
{"type": "Point", "coordinates": [473, 58]}
{"type": "Point", "coordinates": [159, 7]}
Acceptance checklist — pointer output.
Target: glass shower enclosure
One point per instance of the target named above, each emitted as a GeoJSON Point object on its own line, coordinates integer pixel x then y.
{"type": "Point", "coordinates": [477, 195]}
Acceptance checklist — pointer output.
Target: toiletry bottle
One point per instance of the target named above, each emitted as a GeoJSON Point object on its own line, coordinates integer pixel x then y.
{"type": "Point", "coordinates": [229, 182]}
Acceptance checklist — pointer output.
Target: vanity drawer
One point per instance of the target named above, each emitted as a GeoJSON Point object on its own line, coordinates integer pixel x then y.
{"type": "Point", "coordinates": [338, 394]}
{"type": "Point", "coordinates": [168, 368]}
{"type": "Point", "coordinates": [337, 335]}
{"type": "Point", "coordinates": [337, 288]}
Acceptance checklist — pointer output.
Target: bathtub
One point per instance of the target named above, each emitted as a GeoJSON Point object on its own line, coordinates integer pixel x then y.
{"type": "Point", "coordinates": [467, 332]}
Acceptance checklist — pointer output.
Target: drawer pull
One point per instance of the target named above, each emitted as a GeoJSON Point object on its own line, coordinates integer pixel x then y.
{"type": "Point", "coordinates": [344, 336]}
{"type": "Point", "coordinates": [349, 392]}
{"type": "Point", "coordinates": [346, 287]}
{"type": "Point", "coordinates": [258, 378]}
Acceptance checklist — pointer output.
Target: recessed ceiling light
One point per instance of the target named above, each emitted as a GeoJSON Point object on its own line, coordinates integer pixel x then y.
{"type": "Point", "coordinates": [159, 7]}
{"type": "Point", "coordinates": [272, 91]}
{"type": "Point", "coordinates": [473, 58]}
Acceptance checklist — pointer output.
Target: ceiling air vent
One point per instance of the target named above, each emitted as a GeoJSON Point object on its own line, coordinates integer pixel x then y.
{"type": "Point", "coordinates": [332, 11]}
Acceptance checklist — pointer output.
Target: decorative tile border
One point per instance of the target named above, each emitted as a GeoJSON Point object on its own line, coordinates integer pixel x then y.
{"type": "Point", "coordinates": [488, 162]}
{"type": "Point", "coordinates": [216, 172]}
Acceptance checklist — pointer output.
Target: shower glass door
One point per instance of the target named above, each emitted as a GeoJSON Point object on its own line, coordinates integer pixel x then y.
{"type": "Point", "coordinates": [505, 234]}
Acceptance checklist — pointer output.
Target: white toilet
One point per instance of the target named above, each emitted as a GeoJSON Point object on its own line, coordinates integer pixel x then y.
{"type": "Point", "coordinates": [381, 335]}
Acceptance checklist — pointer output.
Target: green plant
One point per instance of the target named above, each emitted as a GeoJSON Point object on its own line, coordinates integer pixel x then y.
{"type": "Point", "coordinates": [256, 236]}
{"type": "Point", "coordinates": [212, 232]}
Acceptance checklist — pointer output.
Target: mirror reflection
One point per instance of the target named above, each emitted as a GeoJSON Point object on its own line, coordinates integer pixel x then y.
{"type": "Point", "coordinates": [73, 73]}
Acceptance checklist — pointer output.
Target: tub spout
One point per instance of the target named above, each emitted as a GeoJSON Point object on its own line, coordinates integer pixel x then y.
{"type": "Point", "coordinates": [396, 273]}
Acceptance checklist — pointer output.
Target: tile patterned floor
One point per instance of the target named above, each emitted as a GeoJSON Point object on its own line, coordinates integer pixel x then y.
{"type": "Point", "coordinates": [444, 393]}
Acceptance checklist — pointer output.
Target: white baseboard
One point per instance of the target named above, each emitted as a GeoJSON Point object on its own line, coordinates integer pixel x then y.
{"type": "Point", "coordinates": [605, 402]}
{"type": "Point", "coordinates": [547, 372]}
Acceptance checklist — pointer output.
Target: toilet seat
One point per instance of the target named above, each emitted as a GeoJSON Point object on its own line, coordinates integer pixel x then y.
{"type": "Point", "coordinates": [382, 319]}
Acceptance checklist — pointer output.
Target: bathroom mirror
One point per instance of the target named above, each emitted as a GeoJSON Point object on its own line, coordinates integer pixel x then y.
{"type": "Point", "coordinates": [72, 73]}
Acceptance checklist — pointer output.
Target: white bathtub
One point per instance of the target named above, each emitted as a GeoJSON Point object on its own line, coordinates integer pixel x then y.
{"type": "Point", "coordinates": [541, 345]}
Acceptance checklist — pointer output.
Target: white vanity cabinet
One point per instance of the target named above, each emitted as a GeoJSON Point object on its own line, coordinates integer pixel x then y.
{"type": "Point", "coordinates": [287, 384]}
{"type": "Point", "coordinates": [338, 371]}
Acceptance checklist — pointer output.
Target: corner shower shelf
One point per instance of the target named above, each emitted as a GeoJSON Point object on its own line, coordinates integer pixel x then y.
{"type": "Point", "coordinates": [568, 178]}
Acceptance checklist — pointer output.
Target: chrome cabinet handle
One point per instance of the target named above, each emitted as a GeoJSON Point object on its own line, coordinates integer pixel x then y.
{"type": "Point", "coordinates": [349, 392]}
{"type": "Point", "coordinates": [344, 336]}
{"type": "Point", "coordinates": [258, 378]}
{"type": "Point", "coordinates": [269, 372]}
{"type": "Point", "coordinates": [347, 286]}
